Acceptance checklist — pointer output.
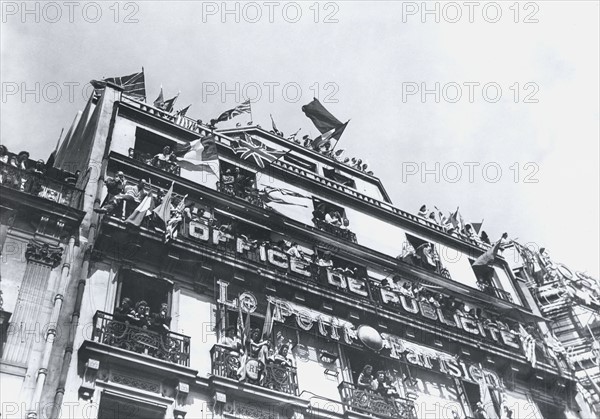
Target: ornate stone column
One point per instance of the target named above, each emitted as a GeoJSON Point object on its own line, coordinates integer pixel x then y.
{"type": "Point", "coordinates": [24, 327]}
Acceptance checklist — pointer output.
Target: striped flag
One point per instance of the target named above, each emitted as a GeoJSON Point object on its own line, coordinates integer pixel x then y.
{"type": "Point", "coordinates": [169, 104]}
{"type": "Point", "coordinates": [163, 211]}
{"type": "Point", "coordinates": [268, 324]}
{"type": "Point", "coordinates": [137, 216]}
{"type": "Point", "coordinates": [253, 148]}
{"type": "Point", "coordinates": [133, 85]}
{"type": "Point", "coordinates": [244, 107]}
{"type": "Point", "coordinates": [199, 155]}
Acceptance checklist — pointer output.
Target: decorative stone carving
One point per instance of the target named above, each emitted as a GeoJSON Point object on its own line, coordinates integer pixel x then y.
{"type": "Point", "coordinates": [135, 382]}
{"type": "Point", "coordinates": [38, 251]}
{"type": "Point", "coordinates": [86, 390]}
{"type": "Point", "coordinates": [242, 410]}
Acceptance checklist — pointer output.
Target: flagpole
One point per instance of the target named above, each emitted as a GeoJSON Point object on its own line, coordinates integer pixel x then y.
{"type": "Point", "coordinates": [251, 117]}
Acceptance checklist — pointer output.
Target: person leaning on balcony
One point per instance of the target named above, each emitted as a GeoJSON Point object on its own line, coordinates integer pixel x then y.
{"type": "Point", "coordinates": [125, 311]}
{"type": "Point", "coordinates": [142, 314]}
{"type": "Point", "coordinates": [3, 154]}
{"type": "Point", "coordinates": [21, 160]}
{"type": "Point", "coordinates": [160, 321]}
{"type": "Point", "coordinates": [283, 356]}
{"type": "Point", "coordinates": [133, 194]}
{"type": "Point", "coordinates": [294, 251]}
{"type": "Point", "coordinates": [231, 340]}
{"type": "Point", "coordinates": [165, 156]}
{"type": "Point", "coordinates": [479, 412]}
{"type": "Point", "coordinates": [365, 378]}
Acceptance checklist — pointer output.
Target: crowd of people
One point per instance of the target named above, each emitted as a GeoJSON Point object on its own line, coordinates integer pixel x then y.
{"type": "Point", "coordinates": [332, 221]}
{"type": "Point", "coordinates": [18, 171]}
{"type": "Point", "coordinates": [139, 315]}
{"type": "Point", "coordinates": [257, 348]}
{"type": "Point", "coordinates": [454, 225]}
{"type": "Point", "coordinates": [381, 383]}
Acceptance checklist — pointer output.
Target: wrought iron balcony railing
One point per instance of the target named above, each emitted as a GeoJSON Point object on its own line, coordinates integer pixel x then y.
{"type": "Point", "coordinates": [164, 345]}
{"type": "Point", "coordinates": [149, 159]}
{"type": "Point", "coordinates": [226, 363]}
{"type": "Point", "coordinates": [39, 184]}
{"type": "Point", "coordinates": [495, 292]}
{"type": "Point", "coordinates": [370, 402]}
{"type": "Point", "coordinates": [335, 230]}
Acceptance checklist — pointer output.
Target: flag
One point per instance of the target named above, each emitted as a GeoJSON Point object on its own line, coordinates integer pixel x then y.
{"type": "Point", "coordinates": [231, 113]}
{"type": "Point", "coordinates": [160, 100]}
{"type": "Point", "coordinates": [456, 220]}
{"type": "Point", "coordinates": [283, 191]}
{"type": "Point", "coordinates": [325, 138]}
{"type": "Point", "coordinates": [293, 136]}
{"type": "Point", "coordinates": [137, 216]}
{"type": "Point", "coordinates": [251, 147]}
{"type": "Point", "coordinates": [487, 259]}
{"type": "Point", "coordinates": [133, 85]}
{"type": "Point", "coordinates": [326, 123]}
{"type": "Point", "coordinates": [485, 397]}
{"type": "Point", "coordinates": [168, 104]}
{"type": "Point", "coordinates": [183, 112]}
{"type": "Point", "coordinates": [163, 211]}
{"type": "Point", "coordinates": [477, 227]}
{"type": "Point", "coordinates": [275, 126]}
{"type": "Point", "coordinates": [483, 265]}
{"type": "Point", "coordinates": [199, 155]}
{"type": "Point", "coordinates": [268, 324]}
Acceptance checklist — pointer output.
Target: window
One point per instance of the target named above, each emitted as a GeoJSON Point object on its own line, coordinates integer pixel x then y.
{"type": "Point", "coordinates": [489, 282]}
{"type": "Point", "coordinates": [305, 164]}
{"type": "Point", "coordinates": [138, 287]}
{"type": "Point", "coordinates": [334, 175]}
{"type": "Point", "coordinates": [151, 143]}
{"type": "Point", "coordinates": [332, 218]}
{"type": "Point", "coordinates": [420, 252]}
{"type": "Point", "coordinates": [114, 407]}
{"type": "Point", "coordinates": [239, 182]}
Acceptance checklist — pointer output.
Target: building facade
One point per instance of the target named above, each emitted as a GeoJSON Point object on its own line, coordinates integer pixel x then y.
{"type": "Point", "coordinates": [141, 285]}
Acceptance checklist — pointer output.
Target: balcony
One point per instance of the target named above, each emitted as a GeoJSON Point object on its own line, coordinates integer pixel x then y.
{"type": "Point", "coordinates": [370, 403]}
{"type": "Point", "coordinates": [335, 230]}
{"type": "Point", "coordinates": [149, 159]}
{"type": "Point", "coordinates": [281, 378]}
{"type": "Point", "coordinates": [494, 291]}
{"type": "Point", "coordinates": [40, 185]}
{"type": "Point", "coordinates": [168, 346]}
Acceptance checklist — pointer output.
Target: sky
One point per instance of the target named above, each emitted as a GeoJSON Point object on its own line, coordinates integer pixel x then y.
{"type": "Point", "coordinates": [492, 107]}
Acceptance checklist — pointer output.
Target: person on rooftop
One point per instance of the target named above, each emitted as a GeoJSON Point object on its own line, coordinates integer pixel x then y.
{"type": "Point", "coordinates": [423, 211]}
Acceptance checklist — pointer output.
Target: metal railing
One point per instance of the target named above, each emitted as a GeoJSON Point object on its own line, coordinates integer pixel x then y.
{"type": "Point", "coordinates": [335, 230]}
{"type": "Point", "coordinates": [226, 363]}
{"type": "Point", "coordinates": [39, 184]}
{"type": "Point", "coordinates": [166, 345]}
{"type": "Point", "coordinates": [370, 402]}
{"type": "Point", "coordinates": [149, 159]}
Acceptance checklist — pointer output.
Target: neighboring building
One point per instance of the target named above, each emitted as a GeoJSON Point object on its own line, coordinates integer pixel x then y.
{"type": "Point", "coordinates": [113, 314]}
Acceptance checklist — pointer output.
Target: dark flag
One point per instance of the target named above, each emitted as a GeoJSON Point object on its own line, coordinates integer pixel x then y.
{"type": "Point", "coordinates": [168, 104]}
{"type": "Point", "coordinates": [323, 139]}
{"type": "Point", "coordinates": [275, 126]}
{"type": "Point", "coordinates": [160, 100]}
{"type": "Point", "coordinates": [244, 107]}
{"type": "Point", "coordinates": [253, 148]}
{"type": "Point", "coordinates": [183, 112]}
{"type": "Point", "coordinates": [326, 123]}
{"type": "Point", "coordinates": [133, 85]}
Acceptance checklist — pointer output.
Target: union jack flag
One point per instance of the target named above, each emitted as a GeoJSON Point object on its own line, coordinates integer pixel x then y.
{"type": "Point", "coordinates": [251, 147]}
{"type": "Point", "coordinates": [133, 85]}
{"type": "Point", "coordinates": [244, 107]}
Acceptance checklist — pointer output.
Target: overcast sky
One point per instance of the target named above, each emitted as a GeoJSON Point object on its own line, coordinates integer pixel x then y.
{"type": "Point", "coordinates": [527, 144]}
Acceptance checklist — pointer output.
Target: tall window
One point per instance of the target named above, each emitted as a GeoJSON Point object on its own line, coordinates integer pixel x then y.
{"type": "Point", "coordinates": [138, 287]}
